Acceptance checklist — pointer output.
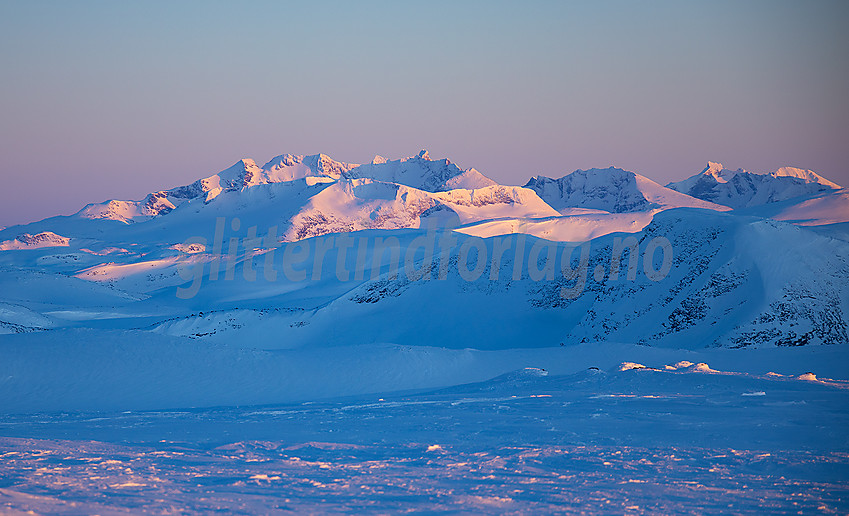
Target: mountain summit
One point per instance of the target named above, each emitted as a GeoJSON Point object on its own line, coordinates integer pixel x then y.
{"type": "Point", "coordinates": [610, 189]}
{"type": "Point", "coordinates": [422, 173]}
{"type": "Point", "coordinates": [315, 194]}
{"type": "Point", "coordinates": [243, 174]}
{"type": "Point", "coordinates": [741, 189]}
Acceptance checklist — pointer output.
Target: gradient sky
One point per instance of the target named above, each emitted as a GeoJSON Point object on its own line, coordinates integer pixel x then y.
{"type": "Point", "coordinates": [116, 99]}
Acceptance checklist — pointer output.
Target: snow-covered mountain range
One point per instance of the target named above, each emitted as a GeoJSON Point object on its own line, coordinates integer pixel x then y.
{"type": "Point", "coordinates": [243, 174]}
{"type": "Point", "coordinates": [393, 194]}
{"type": "Point", "coordinates": [757, 259]}
{"type": "Point", "coordinates": [740, 189]}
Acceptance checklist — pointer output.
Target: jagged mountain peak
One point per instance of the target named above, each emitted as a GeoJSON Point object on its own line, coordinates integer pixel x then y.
{"type": "Point", "coordinates": [288, 167]}
{"type": "Point", "coordinates": [244, 173]}
{"type": "Point", "coordinates": [242, 170]}
{"type": "Point", "coordinates": [611, 189]}
{"type": "Point", "coordinates": [418, 171]}
{"type": "Point", "coordinates": [719, 172]}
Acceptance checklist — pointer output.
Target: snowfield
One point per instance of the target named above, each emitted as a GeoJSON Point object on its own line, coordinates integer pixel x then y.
{"type": "Point", "coordinates": [675, 438]}
{"type": "Point", "coordinates": [315, 336]}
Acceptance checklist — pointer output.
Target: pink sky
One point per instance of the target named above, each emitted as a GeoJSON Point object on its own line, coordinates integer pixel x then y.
{"type": "Point", "coordinates": [114, 100]}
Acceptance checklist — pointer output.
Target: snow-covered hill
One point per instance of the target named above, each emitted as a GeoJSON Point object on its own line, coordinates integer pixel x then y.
{"type": "Point", "coordinates": [740, 189]}
{"type": "Point", "coordinates": [355, 204]}
{"type": "Point", "coordinates": [27, 241]}
{"type": "Point", "coordinates": [722, 289]}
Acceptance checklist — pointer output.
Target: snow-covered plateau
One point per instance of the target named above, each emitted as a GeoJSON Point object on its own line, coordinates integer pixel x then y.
{"type": "Point", "coordinates": [315, 336]}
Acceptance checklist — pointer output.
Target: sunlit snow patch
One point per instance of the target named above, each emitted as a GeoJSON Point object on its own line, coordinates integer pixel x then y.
{"type": "Point", "coordinates": [189, 248]}
{"type": "Point", "coordinates": [679, 365]}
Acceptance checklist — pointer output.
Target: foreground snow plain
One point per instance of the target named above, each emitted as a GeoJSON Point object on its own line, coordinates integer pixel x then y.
{"type": "Point", "coordinates": [680, 437]}
{"type": "Point", "coordinates": [589, 428]}
{"type": "Point", "coordinates": [720, 387]}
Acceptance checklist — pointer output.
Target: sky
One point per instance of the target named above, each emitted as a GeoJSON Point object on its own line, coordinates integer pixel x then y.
{"type": "Point", "coordinates": [103, 100]}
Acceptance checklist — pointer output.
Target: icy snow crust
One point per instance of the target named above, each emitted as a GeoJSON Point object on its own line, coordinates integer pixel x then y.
{"type": "Point", "coordinates": [719, 387]}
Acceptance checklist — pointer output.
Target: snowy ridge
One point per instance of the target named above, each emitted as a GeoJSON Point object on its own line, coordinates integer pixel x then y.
{"type": "Point", "coordinates": [357, 204]}
{"type": "Point", "coordinates": [722, 291]}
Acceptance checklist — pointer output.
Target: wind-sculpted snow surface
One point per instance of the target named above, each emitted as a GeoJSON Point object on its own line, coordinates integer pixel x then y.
{"type": "Point", "coordinates": [678, 437]}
